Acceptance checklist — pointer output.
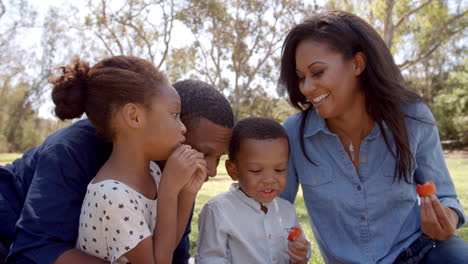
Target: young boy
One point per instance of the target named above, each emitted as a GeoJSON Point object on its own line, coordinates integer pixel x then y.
{"type": "Point", "coordinates": [249, 223]}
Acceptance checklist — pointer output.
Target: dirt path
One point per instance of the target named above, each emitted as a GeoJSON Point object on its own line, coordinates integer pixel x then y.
{"type": "Point", "coordinates": [456, 154]}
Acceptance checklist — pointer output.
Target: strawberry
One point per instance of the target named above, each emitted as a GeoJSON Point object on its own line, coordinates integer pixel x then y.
{"type": "Point", "coordinates": [294, 233]}
{"type": "Point", "coordinates": [426, 189]}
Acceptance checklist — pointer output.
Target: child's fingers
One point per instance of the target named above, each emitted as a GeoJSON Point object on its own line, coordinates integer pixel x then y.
{"type": "Point", "coordinates": [178, 152]}
{"type": "Point", "coordinates": [301, 243]}
{"type": "Point", "coordinates": [295, 256]}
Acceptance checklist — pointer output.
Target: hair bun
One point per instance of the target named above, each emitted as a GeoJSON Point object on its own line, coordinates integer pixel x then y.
{"type": "Point", "coordinates": [69, 91]}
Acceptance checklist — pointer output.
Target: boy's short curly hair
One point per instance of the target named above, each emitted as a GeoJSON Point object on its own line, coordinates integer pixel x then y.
{"type": "Point", "coordinates": [260, 128]}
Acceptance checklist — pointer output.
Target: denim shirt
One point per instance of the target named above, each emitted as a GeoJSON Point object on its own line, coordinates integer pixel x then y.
{"type": "Point", "coordinates": [365, 216]}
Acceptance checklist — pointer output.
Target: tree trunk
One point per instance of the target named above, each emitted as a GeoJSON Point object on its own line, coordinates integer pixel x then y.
{"type": "Point", "coordinates": [389, 27]}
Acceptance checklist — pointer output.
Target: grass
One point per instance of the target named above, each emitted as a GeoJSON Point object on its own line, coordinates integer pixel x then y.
{"type": "Point", "coordinates": [8, 157]}
{"type": "Point", "coordinates": [458, 169]}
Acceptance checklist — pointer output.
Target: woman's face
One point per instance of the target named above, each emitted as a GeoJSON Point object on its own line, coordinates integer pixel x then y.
{"type": "Point", "coordinates": [328, 81]}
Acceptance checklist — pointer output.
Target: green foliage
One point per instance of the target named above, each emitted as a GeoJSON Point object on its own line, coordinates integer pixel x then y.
{"type": "Point", "coordinates": [451, 106]}
{"type": "Point", "coordinates": [238, 44]}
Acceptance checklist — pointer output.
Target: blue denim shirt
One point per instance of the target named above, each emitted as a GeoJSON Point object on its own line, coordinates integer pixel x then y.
{"type": "Point", "coordinates": [365, 216]}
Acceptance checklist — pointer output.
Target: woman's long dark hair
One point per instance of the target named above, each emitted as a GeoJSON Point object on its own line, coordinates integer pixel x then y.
{"type": "Point", "coordinates": [382, 82]}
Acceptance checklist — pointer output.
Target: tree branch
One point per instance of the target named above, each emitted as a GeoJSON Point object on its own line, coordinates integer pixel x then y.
{"type": "Point", "coordinates": [168, 25]}
{"type": "Point", "coordinates": [2, 8]}
{"type": "Point", "coordinates": [410, 12]}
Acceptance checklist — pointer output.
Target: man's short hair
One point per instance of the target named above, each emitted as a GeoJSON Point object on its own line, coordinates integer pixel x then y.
{"type": "Point", "coordinates": [200, 99]}
{"type": "Point", "coordinates": [254, 128]}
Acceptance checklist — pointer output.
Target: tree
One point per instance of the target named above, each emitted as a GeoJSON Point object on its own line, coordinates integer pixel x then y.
{"type": "Point", "coordinates": [140, 28]}
{"type": "Point", "coordinates": [413, 30]}
{"type": "Point", "coordinates": [237, 43]}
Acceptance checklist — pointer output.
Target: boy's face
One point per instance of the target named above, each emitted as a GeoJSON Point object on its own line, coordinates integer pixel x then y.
{"type": "Point", "coordinates": [260, 166]}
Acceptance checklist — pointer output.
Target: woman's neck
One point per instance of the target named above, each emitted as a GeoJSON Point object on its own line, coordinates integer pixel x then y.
{"type": "Point", "coordinates": [355, 123]}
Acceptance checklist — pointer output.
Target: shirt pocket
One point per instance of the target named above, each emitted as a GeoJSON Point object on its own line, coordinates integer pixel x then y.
{"type": "Point", "coordinates": [315, 175]}
{"type": "Point", "coordinates": [318, 186]}
{"type": "Point", "coordinates": [405, 190]}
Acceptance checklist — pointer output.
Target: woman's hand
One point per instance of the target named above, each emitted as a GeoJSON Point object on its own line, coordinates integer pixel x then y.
{"type": "Point", "coordinates": [298, 250]}
{"type": "Point", "coordinates": [438, 221]}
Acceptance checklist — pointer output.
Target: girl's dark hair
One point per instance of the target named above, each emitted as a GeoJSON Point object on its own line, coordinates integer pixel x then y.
{"type": "Point", "coordinates": [382, 82]}
{"type": "Point", "coordinates": [100, 90]}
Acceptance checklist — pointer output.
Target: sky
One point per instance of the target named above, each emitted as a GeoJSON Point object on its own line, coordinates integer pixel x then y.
{"type": "Point", "coordinates": [33, 37]}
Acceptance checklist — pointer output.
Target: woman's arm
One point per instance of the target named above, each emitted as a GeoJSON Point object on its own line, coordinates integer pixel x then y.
{"type": "Point", "coordinates": [439, 217]}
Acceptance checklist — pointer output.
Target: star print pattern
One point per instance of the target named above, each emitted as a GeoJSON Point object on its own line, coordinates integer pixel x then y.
{"type": "Point", "coordinates": [115, 218]}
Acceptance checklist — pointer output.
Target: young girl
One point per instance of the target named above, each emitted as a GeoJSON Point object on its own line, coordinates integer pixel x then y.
{"type": "Point", "coordinates": [132, 212]}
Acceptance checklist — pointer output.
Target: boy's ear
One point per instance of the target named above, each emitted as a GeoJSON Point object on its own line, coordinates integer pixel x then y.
{"type": "Point", "coordinates": [232, 170]}
{"type": "Point", "coordinates": [132, 115]}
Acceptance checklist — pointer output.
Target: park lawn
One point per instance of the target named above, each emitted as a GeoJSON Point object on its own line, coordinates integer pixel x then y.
{"type": "Point", "coordinates": [458, 169]}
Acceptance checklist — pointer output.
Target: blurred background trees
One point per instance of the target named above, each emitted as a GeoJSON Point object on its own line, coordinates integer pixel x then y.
{"type": "Point", "coordinates": [234, 45]}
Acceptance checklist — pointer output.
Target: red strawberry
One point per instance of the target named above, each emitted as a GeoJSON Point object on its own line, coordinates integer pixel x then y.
{"type": "Point", "coordinates": [426, 189]}
{"type": "Point", "coordinates": [294, 233]}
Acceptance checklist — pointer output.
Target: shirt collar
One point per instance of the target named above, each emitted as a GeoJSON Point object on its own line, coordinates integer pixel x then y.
{"type": "Point", "coordinates": [314, 124]}
{"type": "Point", "coordinates": [249, 201]}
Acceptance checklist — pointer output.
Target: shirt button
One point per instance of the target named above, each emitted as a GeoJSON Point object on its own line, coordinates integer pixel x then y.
{"type": "Point", "coordinates": [363, 218]}
{"type": "Point", "coordinates": [315, 181]}
{"type": "Point", "coordinates": [359, 187]}
{"type": "Point", "coordinates": [269, 236]}
{"type": "Point", "coordinates": [367, 249]}
{"type": "Point", "coordinates": [363, 159]}
{"type": "Point", "coordinates": [274, 258]}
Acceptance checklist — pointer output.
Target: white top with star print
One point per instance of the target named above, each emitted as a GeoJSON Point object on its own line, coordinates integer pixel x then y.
{"type": "Point", "coordinates": [115, 218]}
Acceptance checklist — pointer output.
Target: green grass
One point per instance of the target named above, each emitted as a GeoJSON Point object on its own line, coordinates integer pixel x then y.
{"type": "Point", "coordinates": [8, 157]}
{"type": "Point", "coordinates": [458, 169]}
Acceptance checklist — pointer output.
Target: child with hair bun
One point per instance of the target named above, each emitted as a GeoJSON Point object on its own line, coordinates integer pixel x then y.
{"type": "Point", "coordinates": [132, 210]}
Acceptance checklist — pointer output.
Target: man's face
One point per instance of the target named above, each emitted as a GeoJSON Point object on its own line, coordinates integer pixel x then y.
{"type": "Point", "coordinates": [210, 139]}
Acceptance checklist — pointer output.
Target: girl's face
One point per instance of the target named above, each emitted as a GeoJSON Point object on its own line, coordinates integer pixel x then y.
{"type": "Point", "coordinates": [328, 81]}
{"type": "Point", "coordinates": [163, 129]}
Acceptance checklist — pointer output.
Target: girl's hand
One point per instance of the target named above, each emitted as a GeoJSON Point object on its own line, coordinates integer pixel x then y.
{"type": "Point", "coordinates": [198, 177]}
{"type": "Point", "coordinates": [438, 222]}
{"type": "Point", "coordinates": [298, 250]}
{"type": "Point", "coordinates": [179, 168]}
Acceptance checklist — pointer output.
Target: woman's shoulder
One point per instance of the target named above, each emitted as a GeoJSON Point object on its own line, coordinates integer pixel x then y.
{"type": "Point", "coordinates": [419, 110]}
{"type": "Point", "coordinates": [292, 121]}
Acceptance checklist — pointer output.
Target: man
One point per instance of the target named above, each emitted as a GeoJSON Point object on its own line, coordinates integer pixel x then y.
{"type": "Point", "coordinates": [42, 192]}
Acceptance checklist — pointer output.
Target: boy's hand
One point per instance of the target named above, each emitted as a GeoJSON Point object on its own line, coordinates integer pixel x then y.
{"type": "Point", "coordinates": [298, 250]}
{"type": "Point", "coordinates": [180, 167]}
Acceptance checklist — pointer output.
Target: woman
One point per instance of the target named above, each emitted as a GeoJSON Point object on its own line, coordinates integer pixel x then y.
{"type": "Point", "coordinates": [359, 146]}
